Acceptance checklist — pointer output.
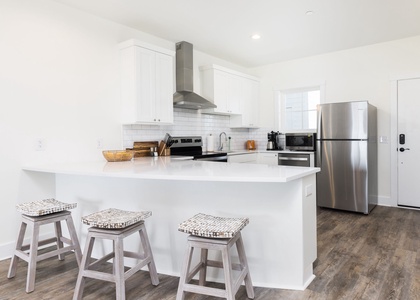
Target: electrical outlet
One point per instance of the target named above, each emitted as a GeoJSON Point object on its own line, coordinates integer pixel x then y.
{"type": "Point", "coordinates": [39, 144]}
{"type": "Point", "coordinates": [99, 143]}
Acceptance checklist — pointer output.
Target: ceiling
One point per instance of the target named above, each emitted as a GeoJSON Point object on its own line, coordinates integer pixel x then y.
{"type": "Point", "coordinates": [223, 28]}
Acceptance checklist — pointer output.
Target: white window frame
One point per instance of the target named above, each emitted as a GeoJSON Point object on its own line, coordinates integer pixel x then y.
{"type": "Point", "coordinates": [280, 109]}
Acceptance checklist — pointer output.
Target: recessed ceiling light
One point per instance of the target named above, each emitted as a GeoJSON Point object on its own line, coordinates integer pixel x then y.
{"type": "Point", "coordinates": [309, 13]}
{"type": "Point", "coordinates": [255, 36]}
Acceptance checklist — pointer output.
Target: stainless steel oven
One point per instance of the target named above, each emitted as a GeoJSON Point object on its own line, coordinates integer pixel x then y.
{"type": "Point", "coordinates": [193, 146]}
{"type": "Point", "coordinates": [300, 141]}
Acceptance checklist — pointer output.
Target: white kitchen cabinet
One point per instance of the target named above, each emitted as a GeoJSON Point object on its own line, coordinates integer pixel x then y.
{"type": "Point", "coordinates": [235, 94]}
{"type": "Point", "coordinates": [224, 87]}
{"type": "Point", "coordinates": [267, 158]}
{"type": "Point", "coordinates": [147, 75]}
{"type": "Point", "coordinates": [249, 104]}
{"type": "Point", "coordinates": [243, 158]}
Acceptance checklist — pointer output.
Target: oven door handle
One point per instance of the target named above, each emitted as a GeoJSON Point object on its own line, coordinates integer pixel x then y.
{"type": "Point", "coordinates": [213, 158]}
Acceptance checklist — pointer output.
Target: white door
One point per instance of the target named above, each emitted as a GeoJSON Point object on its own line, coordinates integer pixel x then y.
{"type": "Point", "coordinates": [408, 142]}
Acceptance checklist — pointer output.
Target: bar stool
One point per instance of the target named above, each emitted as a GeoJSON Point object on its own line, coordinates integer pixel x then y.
{"type": "Point", "coordinates": [214, 233]}
{"type": "Point", "coordinates": [39, 213]}
{"type": "Point", "coordinates": [114, 224]}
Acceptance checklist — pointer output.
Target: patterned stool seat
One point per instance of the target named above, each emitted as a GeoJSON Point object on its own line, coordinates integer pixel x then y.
{"type": "Point", "coordinates": [39, 213]}
{"type": "Point", "coordinates": [113, 218]}
{"type": "Point", "coordinates": [43, 207]}
{"type": "Point", "coordinates": [214, 233]}
{"type": "Point", "coordinates": [213, 227]}
{"type": "Point", "coordinates": [115, 224]}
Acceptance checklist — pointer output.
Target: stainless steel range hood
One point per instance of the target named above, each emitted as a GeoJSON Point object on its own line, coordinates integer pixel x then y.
{"type": "Point", "coordinates": [185, 96]}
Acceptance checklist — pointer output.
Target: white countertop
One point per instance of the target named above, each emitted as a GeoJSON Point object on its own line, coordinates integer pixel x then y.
{"type": "Point", "coordinates": [167, 168]}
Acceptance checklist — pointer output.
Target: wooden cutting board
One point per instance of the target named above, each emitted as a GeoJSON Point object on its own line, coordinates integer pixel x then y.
{"type": "Point", "coordinates": [143, 148]}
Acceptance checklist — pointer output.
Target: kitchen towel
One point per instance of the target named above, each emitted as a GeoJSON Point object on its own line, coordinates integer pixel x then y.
{"type": "Point", "coordinates": [210, 143]}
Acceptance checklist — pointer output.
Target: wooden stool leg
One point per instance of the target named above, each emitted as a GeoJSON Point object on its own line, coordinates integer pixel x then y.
{"type": "Point", "coordinates": [148, 253]}
{"type": "Point", "coordinates": [184, 272]}
{"type": "Point", "coordinates": [33, 253]}
{"type": "Point", "coordinates": [80, 283]}
{"type": "Point", "coordinates": [203, 269]}
{"type": "Point", "coordinates": [227, 268]}
{"type": "Point", "coordinates": [114, 263]}
{"type": "Point", "coordinates": [15, 258]}
{"type": "Point", "coordinates": [119, 269]}
{"type": "Point", "coordinates": [59, 235]}
{"type": "Point", "coordinates": [74, 239]}
{"type": "Point", "coordinates": [243, 260]}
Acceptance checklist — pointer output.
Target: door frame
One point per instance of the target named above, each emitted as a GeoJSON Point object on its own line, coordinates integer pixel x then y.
{"type": "Point", "coordinates": [394, 134]}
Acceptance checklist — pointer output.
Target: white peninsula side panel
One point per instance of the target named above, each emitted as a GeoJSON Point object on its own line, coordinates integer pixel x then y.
{"type": "Point", "coordinates": [280, 201]}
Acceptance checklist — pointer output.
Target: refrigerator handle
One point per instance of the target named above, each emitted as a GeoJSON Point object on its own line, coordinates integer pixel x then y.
{"type": "Point", "coordinates": [319, 121]}
{"type": "Point", "coordinates": [318, 158]}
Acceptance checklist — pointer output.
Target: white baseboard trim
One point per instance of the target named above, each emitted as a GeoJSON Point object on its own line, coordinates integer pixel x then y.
{"type": "Point", "coordinates": [386, 201]}
{"type": "Point", "coordinates": [6, 250]}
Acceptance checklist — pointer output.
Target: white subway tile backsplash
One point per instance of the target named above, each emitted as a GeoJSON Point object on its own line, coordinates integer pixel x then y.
{"type": "Point", "coordinates": [191, 122]}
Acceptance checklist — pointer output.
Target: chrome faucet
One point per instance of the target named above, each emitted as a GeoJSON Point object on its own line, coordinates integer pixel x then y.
{"type": "Point", "coordinates": [220, 140]}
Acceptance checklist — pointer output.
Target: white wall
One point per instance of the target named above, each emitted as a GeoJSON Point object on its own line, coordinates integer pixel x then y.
{"type": "Point", "coordinates": [59, 83]}
{"type": "Point", "coordinates": [363, 73]}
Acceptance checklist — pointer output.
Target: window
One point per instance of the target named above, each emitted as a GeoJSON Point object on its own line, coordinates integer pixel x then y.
{"type": "Point", "coordinates": [297, 109]}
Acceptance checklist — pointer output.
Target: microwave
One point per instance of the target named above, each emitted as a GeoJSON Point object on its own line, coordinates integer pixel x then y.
{"type": "Point", "coordinates": [300, 141]}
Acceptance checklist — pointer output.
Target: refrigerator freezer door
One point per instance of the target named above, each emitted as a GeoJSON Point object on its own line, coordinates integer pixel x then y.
{"type": "Point", "coordinates": [343, 121]}
{"type": "Point", "coordinates": [343, 180]}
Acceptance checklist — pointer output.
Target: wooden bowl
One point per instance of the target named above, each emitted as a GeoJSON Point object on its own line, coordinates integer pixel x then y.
{"type": "Point", "coordinates": [118, 155]}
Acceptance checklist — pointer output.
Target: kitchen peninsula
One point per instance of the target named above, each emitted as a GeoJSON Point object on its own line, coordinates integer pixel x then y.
{"type": "Point", "coordinates": [280, 241]}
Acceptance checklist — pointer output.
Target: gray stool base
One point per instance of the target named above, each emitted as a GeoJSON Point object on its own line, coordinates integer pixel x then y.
{"type": "Point", "coordinates": [118, 276]}
{"type": "Point", "coordinates": [32, 256]}
{"type": "Point", "coordinates": [222, 245]}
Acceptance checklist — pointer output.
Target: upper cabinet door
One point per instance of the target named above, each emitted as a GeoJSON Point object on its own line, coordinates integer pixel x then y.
{"type": "Point", "coordinates": [220, 91]}
{"type": "Point", "coordinates": [164, 88]}
{"type": "Point", "coordinates": [236, 94]}
{"type": "Point", "coordinates": [146, 83]}
{"type": "Point", "coordinates": [250, 112]}
{"type": "Point", "coordinates": [249, 101]}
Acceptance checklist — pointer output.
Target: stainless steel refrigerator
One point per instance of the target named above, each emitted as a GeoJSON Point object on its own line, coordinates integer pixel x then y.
{"type": "Point", "coordinates": [347, 155]}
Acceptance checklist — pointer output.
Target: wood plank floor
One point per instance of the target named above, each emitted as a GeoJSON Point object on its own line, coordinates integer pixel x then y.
{"type": "Point", "coordinates": [359, 257]}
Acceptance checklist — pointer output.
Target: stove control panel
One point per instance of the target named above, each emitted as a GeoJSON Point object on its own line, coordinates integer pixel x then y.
{"type": "Point", "coordinates": [187, 141]}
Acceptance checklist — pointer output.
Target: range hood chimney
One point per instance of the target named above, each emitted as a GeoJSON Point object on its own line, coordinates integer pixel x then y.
{"type": "Point", "coordinates": [185, 96]}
